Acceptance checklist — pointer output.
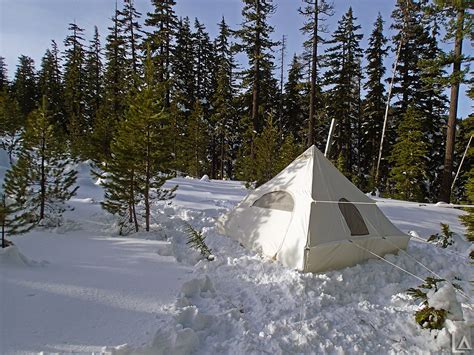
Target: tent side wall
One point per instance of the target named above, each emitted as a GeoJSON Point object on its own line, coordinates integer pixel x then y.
{"type": "Point", "coordinates": [341, 254]}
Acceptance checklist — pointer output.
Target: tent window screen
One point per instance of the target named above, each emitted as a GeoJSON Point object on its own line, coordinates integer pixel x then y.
{"type": "Point", "coordinates": [278, 200]}
{"type": "Point", "coordinates": [353, 218]}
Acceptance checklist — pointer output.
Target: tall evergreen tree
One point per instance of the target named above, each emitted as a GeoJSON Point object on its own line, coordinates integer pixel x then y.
{"type": "Point", "coordinates": [315, 12]}
{"type": "Point", "coordinates": [413, 84]}
{"type": "Point", "coordinates": [115, 93]}
{"type": "Point", "coordinates": [184, 90]}
{"type": "Point", "coordinates": [408, 158]}
{"type": "Point", "coordinates": [11, 124]}
{"type": "Point", "coordinates": [74, 83]}
{"type": "Point", "coordinates": [343, 76]}
{"type": "Point", "coordinates": [266, 153]}
{"type": "Point", "coordinates": [410, 33]}
{"type": "Point", "coordinates": [50, 84]}
{"type": "Point", "coordinates": [204, 71]}
{"type": "Point", "coordinates": [433, 104]}
{"type": "Point", "coordinates": [94, 81]}
{"type": "Point", "coordinates": [25, 85]}
{"type": "Point", "coordinates": [458, 25]}
{"type": "Point", "coordinates": [163, 23]}
{"type": "Point", "coordinates": [196, 142]}
{"type": "Point", "coordinates": [294, 102]}
{"type": "Point", "coordinates": [130, 28]}
{"type": "Point", "coordinates": [116, 87]}
{"type": "Point", "coordinates": [467, 179]}
{"type": "Point", "coordinates": [140, 154]}
{"type": "Point", "coordinates": [375, 100]}
{"type": "Point", "coordinates": [224, 118]}
{"type": "Point", "coordinates": [205, 77]}
{"type": "Point", "coordinates": [42, 180]}
{"type": "Point", "coordinates": [255, 36]}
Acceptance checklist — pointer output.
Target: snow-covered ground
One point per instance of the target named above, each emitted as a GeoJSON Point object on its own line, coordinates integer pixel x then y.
{"type": "Point", "coordinates": [81, 288]}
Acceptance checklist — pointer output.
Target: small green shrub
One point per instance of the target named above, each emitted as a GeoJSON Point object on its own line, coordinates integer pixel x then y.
{"type": "Point", "coordinates": [431, 318]}
{"type": "Point", "coordinates": [444, 239]}
{"type": "Point", "coordinates": [196, 240]}
{"type": "Point", "coordinates": [428, 317]}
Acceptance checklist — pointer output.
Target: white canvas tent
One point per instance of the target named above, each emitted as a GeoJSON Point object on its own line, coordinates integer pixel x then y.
{"type": "Point", "coordinates": [312, 218]}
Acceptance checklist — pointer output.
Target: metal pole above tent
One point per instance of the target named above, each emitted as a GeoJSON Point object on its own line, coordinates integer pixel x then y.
{"type": "Point", "coordinates": [389, 94]}
{"type": "Point", "coordinates": [329, 141]}
{"type": "Point", "coordinates": [462, 161]}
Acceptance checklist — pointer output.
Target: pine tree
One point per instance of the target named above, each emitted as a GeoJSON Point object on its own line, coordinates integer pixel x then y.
{"type": "Point", "coordinates": [140, 158]}
{"type": "Point", "coordinates": [266, 153]}
{"type": "Point", "coordinates": [254, 35]}
{"type": "Point", "coordinates": [408, 159]}
{"type": "Point", "coordinates": [24, 85]}
{"type": "Point", "coordinates": [74, 84]}
{"type": "Point", "coordinates": [184, 83]}
{"type": "Point", "coordinates": [407, 21]}
{"type": "Point", "coordinates": [416, 36]}
{"type": "Point", "coordinates": [183, 90]}
{"type": "Point", "coordinates": [130, 28]}
{"type": "Point", "coordinates": [205, 76]}
{"type": "Point", "coordinates": [224, 119]}
{"type": "Point", "coordinates": [294, 102]}
{"type": "Point", "coordinates": [204, 65]}
{"type": "Point", "coordinates": [315, 12]}
{"type": "Point", "coordinates": [42, 180]}
{"type": "Point", "coordinates": [11, 124]}
{"type": "Point", "coordinates": [116, 87]}
{"type": "Point", "coordinates": [94, 81]}
{"type": "Point", "coordinates": [468, 219]}
{"type": "Point", "coordinates": [9, 223]}
{"type": "Point", "coordinates": [374, 102]}
{"type": "Point", "coordinates": [433, 104]}
{"type": "Point", "coordinates": [163, 23]}
{"type": "Point", "coordinates": [454, 15]}
{"type": "Point", "coordinates": [196, 142]}
{"type": "Point", "coordinates": [288, 152]}
{"type": "Point", "coordinates": [343, 75]}
{"type": "Point", "coordinates": [50, 84]}
{"type": "Point", "coordinates": [467, 179]}
{"type": "Point", "coordinates": [115, 92]}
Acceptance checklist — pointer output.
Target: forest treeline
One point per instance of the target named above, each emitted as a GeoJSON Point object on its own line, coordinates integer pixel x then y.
{"type": "Point", "coordinates": [159, 97]}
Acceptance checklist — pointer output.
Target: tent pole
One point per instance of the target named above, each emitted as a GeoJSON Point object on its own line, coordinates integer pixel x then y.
{"type": "Point", "coordinates": [387, 106]}
{"type": "Point", "coordinates": [329, 141]}
{"type": "Point", "coordinates": [462, 161]}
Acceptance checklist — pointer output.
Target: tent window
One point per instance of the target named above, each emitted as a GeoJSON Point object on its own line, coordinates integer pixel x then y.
{"type": "Point", "coordinates": [278, 200]}
{"type": "Point", "coordinates": [353, 218]}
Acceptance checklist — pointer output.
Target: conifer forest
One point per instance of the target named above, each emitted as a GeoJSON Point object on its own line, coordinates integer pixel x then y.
{"type": "Point", "coordinates": [156, 97]}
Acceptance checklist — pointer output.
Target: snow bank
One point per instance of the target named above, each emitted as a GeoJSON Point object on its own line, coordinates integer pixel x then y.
{"type": "Point", "coordinates": [11, 257]}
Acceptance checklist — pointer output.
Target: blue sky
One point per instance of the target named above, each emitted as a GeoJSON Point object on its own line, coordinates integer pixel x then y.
{"type": "Point", "coordinates": [28, 26]}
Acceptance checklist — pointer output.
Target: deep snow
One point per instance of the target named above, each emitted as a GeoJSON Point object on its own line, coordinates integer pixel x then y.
{"type": "Point", "coordinates": [83, 288]}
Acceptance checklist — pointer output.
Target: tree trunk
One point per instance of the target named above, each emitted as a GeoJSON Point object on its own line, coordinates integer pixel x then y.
{"type": "Point", "coordinates": [256, 74]}
{"type": "Point", "coordinates": [4, 207]}
{"type": "Point", "coordinates": [132, 196]}
{"type": "Point", "coordinates": [42, 179]}
{"type": "Point", "coordinates": [445, 193]}
{"type": "Point", "coordinates": [132, 40]}
{"type": "Point", "coordinates": [146, 195]}
{"type": "Point", "coordinates": [222, 156]}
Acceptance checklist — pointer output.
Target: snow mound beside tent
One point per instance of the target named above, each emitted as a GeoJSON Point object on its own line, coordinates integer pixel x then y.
{"type": "Point", "coordinates": [12, 257]}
